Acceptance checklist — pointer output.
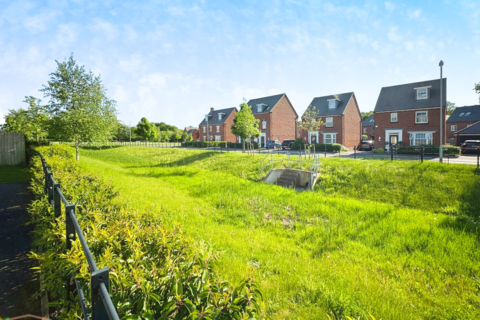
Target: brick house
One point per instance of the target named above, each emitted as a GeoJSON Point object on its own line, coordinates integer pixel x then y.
{"type": "Point", "coordinates": [217, 126]}
{"type": "Point", "coordinates": [471, 132]}
{"type": "Point", "coordinates": [341, 117]}
{"type": "Point", "coordinates": [410, 114]}
{"type": "Point", "coordinates": [193, 131]}
{"type": "Point", "coordinates": [368, 128]}
{"type": "Point", "coordinates": [278, 118]}
{"type": "Point", "coordinates": [461, 118]}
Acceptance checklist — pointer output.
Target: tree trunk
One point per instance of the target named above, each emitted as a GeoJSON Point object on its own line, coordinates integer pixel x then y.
{"type": "Point", "coordinates": [76, 150]}
{"type": "Point", "coordinates": [37, 137]}
{"type": "Point", "coordinates": [243, 145]}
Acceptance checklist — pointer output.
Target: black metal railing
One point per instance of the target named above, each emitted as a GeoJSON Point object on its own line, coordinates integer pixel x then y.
{"type": "Point", "coordinates": [102, 305]}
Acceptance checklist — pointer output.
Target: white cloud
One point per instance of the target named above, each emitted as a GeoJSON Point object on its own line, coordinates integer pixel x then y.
{"type": "Point", "coordinates": [67, 33]}
{"type": "Point", "coordinates": [38, 23]}
{"type": "Point", "coordinates": [390, 6]}
{"type": "Point", "coordinates": [415, 14]}
{"type": "Point", "coordinates": [104, 29]}
{"type": "Point", "coordinates": [393, 35]}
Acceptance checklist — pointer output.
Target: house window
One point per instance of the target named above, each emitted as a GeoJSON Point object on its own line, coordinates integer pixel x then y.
{"type": "Point", "coordinates": [421, 117]}
{"type": "Point", "coordinates": [329, 138]}
{"type": "Point", "coordinates": [364, 130]}
{"type": "Point", "coordinates": [218, 138]}
{"type": "Point", "coordinates": [329, 122]}
{"type": "Point", "coordinates": [218, 128]}
{"type": "Point", "coordinates": [421, 138]}
{"type": "Point", "coordinates": [467, 114]}
{"type": "Point", "coordinates": [422, 94]}
{"type": "Point", "coordinates": [461, 114]}
{"type": "Point", "coordinates": [261, 107]}
{"type": "Point", "coordinates": [210, 128]}
{"type": "Point", "coordinates": [331, 104]}
{"type": "Point", "coordinates": [264, 124]}
{"type": "Point", "coordinates": [453, 128]}
{"type": "Point", "coordinates": [204, 130]}
{"type": "Point", "coordinates": [371, 120]}
{"type": "Point", "coordinates": [204, 138]}
{"type": "Point", "coordinates": [393, 117]}
{"type": "Point", "coordinates": [219, 116]}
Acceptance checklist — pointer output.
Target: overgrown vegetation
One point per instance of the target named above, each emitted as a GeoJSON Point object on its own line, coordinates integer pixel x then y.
{"type": "Point", "coordinates": [398, 239]}
{"type": "Point", "coordinates": [156, 272]}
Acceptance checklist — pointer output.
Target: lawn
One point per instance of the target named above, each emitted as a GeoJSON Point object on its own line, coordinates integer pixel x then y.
{"type": "Point", "coordinates": [397, 240]}
{"type": "Point", "coordinates": [14, 173]}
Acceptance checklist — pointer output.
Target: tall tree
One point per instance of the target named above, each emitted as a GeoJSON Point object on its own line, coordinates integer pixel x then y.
{"type": "Point", "coordinates": [450, 107]}
{"type": "Point", "coordinates": [32, 122]}
{"type": "Point", "coordinates": [476, 87]}
{"type": "Point", "coordinates": [310, 122]}
{"type": "Point", "coordinates": [79, 107]}
{"type": "Point", "coordinates": [16, 121]}
{"type": "Point", "coordinates": [245, 125]}
{"type": "Point", "coordinates": [146, 130]}
{"type": "Point", "coordinates": [365, 115]}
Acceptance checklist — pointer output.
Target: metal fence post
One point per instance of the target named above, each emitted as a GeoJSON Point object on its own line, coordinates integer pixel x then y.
{"type": "Point", "coordinates": [97, 277]}
{"type": "Point", "coordinates": [421, 154]}
{"type": "Point", "coordinates": [391, 152]}
{"type": "Point", "coordinates": [57, 203]}
{"type": "Point", "coordinates": [478, 158]}
{"type": "Point", "coordinates": [70, 227]}
{"type": "Point", "coordinates": [50, 187]}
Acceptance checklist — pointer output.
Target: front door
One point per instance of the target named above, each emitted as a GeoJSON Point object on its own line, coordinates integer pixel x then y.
{"type": "Point", "coordinates": [393, 140]}
{"type": "Point", "coordinates": [262, 141]}
{"type": "Point", "coordinates": [313, 139]}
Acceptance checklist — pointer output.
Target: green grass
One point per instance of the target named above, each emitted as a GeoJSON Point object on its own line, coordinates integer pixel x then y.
{"type": "Point", "coordinates": [14, 173]}
{"type": "Point", "coordinates": [397, 240]}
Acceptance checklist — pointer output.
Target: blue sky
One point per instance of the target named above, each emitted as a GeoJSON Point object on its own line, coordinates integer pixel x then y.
{"type": "Point", "coordinates": [172, 61]}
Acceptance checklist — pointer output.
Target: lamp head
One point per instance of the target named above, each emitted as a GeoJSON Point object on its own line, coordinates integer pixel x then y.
{"type": "Point", "coordinates": [441, 63]}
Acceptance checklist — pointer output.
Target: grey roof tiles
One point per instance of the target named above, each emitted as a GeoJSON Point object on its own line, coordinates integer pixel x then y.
{"type": "Point", "coordinates": [270, 103]}
{"type": "Point", "coordinates": [321, 104]}
{"type": "Point", "coordinates": [473, 129]}
{"type": "Point", "coordinates": [461, 114]}
{"type": "Point", "coordinates": [213, 117]}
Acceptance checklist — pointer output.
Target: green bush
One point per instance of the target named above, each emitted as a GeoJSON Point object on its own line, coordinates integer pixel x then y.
{"type": "Point", "coordinates": [336, 147]}
{"type": "Point", "coordinates": [298, 144]}
{"type": "Point", "coordinates": [204, 144]}
{"type": "Point", "coordinates": [156, 273]}
{"type": "Point", "coordinates": [451, 150]}
{"type": "Point", "coordinates": [30, 146]}
{"type": "Point", "coordinates": [236, 145]}
{"type": "Point", "coordinates": [380, 150]}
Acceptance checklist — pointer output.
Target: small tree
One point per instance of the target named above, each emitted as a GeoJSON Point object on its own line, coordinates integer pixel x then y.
{"type": "Point", "coordinates": [245, 125]}
{"type": "Point", "coordinates": [476, 87]}
{"type": "Point", "coordinates": [310, 122]}
{"type": "Point", "coordinates": [189, 137]}
{"type": "Point", "coordinates": [178, 135]}
{"type": "Point", "coordinates": [32, 122]}
{"type": "Point", "coordinates": [184, 137]}
{"type": "Point", "coordinates": [79, 107]}
{"type": "Point", "coordinates": [146, 130]}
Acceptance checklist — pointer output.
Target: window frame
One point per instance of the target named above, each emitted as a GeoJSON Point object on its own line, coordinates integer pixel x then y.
{"type": "Point", "coordinates": [204, 129]}
{"type": "Point", "coordinates": [416, 117]}
{"type": "Point", "coordinates": [364, 130]}
{"type": "Point", "coordinates": [428, 138]}
{"type": "Point", "coordinates": [218, 128]}
{"type": "Point", "coordinates": [332, 139]}
{"type": "Point", "coordinates": [264, 124]}
{"type": "Point", "coordinates": [451, 127]}
{"type": "Point", "coordinates": [396, 116]}
{"type": "Point", "coordinates": [461, 114]}
{"type": "Point", "coordinates": [422, 97]}
{"type": "Point", "coordinates": [468, 113]}
{"type": "Point", "coordinates": [331, 104]}
{"type": "Point", "coordinates": [326, 122]}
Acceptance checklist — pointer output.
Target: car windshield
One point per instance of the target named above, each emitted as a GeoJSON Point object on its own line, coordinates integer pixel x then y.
{"type": "Point", "coordinates": [472, 143]}
{"type": "Point", "coordinates": [366, 142]}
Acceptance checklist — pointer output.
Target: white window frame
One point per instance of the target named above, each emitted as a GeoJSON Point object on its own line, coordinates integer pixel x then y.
{"type": "Point", "coordinates": [210, 128]}
{"type": "Point", "coordinates": [394, 117]}
{"type": "Point", "coordinates": [414, 137]}
{"type": "Point", "coordinates": [327, 122]}
{"type": "Point", "coordinates": [204, 129]}
{"type": "Point", "coordinates": [218, 138]}
{"type": "Point", "coordinates": [219, 116]}
{"type": "Point", "coordinates": [467, 114]}
{"type": "Point", "coordinates": [329, 138]}
{"type": "Point", "coordinates": [364, 130]}
{"type": "Point", "coordinates": [422, 93]}
{"type": "Point", "coordinates": [331, 104]}
{"type": "Point", "coordinates": [416, 117]}
{"type": "Point", "coordinates": [461, 114]}
{"type": "Point", "coordinates": [204, 138]}
{"type": "Point", "coordinates": [218, 128]}
{"type": "Point", "coordinates": [453, 127]}
{"type": "Point", "coordinates": [264, 124]}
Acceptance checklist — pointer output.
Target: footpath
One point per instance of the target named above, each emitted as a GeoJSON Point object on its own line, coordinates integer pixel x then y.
{"type": "Point", "coordinates": [17, 281]}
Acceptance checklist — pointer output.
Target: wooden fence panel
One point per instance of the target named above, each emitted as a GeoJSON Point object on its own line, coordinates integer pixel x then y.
{"type": "Point", "coordinates": [12, 148]}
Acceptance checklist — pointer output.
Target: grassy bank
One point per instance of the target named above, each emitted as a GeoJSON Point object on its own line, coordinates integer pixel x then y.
{"type": "Point", "coordinates": [14, 173]}
{"type": "Point", "coordinates": [398, 240]}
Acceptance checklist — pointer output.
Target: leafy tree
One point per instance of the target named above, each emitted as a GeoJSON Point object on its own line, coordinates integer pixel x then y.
{"type": "Point", "coordinates": [189, 137]}
{"type": "Point", "coordinates": [310, 122]}
{"type": "Point", "coordinates": [178, 135]}
{"type": "Point", "coordinates": [146, 130]}
{"type": "Point", "coordinates": [245, 125]}
{"type": "Point", "coordinates": [16, 121]}
{"type": "Point", "coordinates": [32, 122]}
{"type": "Point", "coordinates": [365, 115]}
{"type": "Point", "coordinates": [165, 135]}
{"type": "Point", "coordinates": [476, 87]}
{"type": "Point", "coordinates": [184, 136]}
{"type": "Point", "coordinates": [79, 107]}
{"type": "Point", "coordinates": [450, 107]}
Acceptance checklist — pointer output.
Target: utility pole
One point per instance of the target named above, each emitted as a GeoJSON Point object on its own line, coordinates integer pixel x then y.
{"type": "Point", "coordinates": [440, 149]}
{"type": "Point", "coordinates": [208, 134]}
{"type": "Point", "coordinates": [130, 125]}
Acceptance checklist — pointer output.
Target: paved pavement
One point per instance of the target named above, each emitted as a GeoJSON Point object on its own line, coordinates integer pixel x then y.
{"type": "Point", "coordinates": [17, 283]}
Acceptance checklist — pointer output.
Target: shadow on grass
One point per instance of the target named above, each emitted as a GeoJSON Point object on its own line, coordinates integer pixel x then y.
{"type": "Point", "coordinates": [100, 147]}
{"type": "Point", "coordinates": [180, 162]}
{"type": "Point", "coordinates": [177, 173]}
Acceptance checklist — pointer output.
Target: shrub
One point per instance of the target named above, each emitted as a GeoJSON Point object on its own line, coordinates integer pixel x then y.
{"type": "Point", "coordinates": [236, 145]}
{"type": "Point", "coordinates": [380, 150]}
{"type": "Point", "coordinates": [155, 272]}
{"type": "Point", "coordinates": [452, 150]}
{"type": "Point", "coordinates": [297, 144]}
{"type": "Point", "coordinates": [336, 147]}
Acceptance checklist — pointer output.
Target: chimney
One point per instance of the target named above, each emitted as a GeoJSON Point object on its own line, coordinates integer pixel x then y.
{"type": "Point", "coordinates": [211, 109]}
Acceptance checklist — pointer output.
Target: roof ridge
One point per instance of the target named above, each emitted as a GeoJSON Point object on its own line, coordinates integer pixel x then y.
{"type": "Point", "coordinates": [336, 94]}
{"type": "Point", "coordinates": [473, 124]}
{"type": "Point", "coordinates": [410, 83]}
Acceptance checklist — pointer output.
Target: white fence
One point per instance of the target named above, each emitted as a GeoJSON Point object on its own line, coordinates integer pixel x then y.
{"type": "Point", "coordinates": [12, 148]}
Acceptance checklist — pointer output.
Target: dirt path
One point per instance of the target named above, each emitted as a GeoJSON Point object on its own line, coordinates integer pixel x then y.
{"type": "Point", "coordinates": [16, 283]}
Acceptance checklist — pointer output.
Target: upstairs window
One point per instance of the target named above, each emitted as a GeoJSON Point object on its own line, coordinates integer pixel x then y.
{"type": "Point", "coordinates": [210, 128]}
{"type": "Point", "coordinates": [364, 130]}
{"type": "Point", "coordinates": [371, 120]}
{"type": "Point", "coordinates": [331, 104]}
{"type": "Point", "coordinates": [422, 94]}
{"type": "Point", "coordinates": [329, 122]}
{"type": "Point", "coordinates": [220, 116]}
{"type": "Point", "coordinates": [453, 128]}
{"type": "Point", "coordinates": [461, 114]}
{"type": "Point", "coordinates": [264, 124]}
{"type": "Point", "coordinates": [393, 117]}
{"type": "Point", "coordinates": [261, 107]}
{"type": "Point", "coordinates": [203, 129]}
{"type": "Point", "coordinates": [421, 117]}
{"type": "Point", "coordinates": [467, 114]}
{"type": "Point", "coordinates": [218, 128]}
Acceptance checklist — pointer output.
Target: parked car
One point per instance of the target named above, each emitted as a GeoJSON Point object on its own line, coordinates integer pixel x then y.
{"type": "Point", "coordinates": [287, 144]}
{"type": "Point", "coordinates": [470, 146]}
{"type": "Point", "coordinates": [273, 144]}
{"type": "Point", "coordinates": [366, 145]}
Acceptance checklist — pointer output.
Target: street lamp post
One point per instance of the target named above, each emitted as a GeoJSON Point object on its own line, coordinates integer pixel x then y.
{"type": "Point", "coordinates": [208, 134]}
{"type": "Point", "coordinates": [130, 125]}
{"type": "Point", "coordinates": [440, 149]}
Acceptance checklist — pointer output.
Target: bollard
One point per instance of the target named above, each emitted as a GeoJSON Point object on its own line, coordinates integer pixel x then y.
{"type": "Point", "coordinates": [478, 158]}
{"type": "Point", "coordinates": [421, 154]}
{"type": "Point", "coordinates": [391, 152]}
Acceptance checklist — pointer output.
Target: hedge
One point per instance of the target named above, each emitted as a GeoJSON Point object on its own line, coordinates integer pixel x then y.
{"type": "Point", "coordinates": [237, 145]}
{"type": "Point", "coordinates": [336, 147]}
{"type": "Point", "coordinates": [204, 144]}
{"type": "Point", "coordinates": [452, 150]}
{"type": "Point", "coordinates": [156, 273]}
